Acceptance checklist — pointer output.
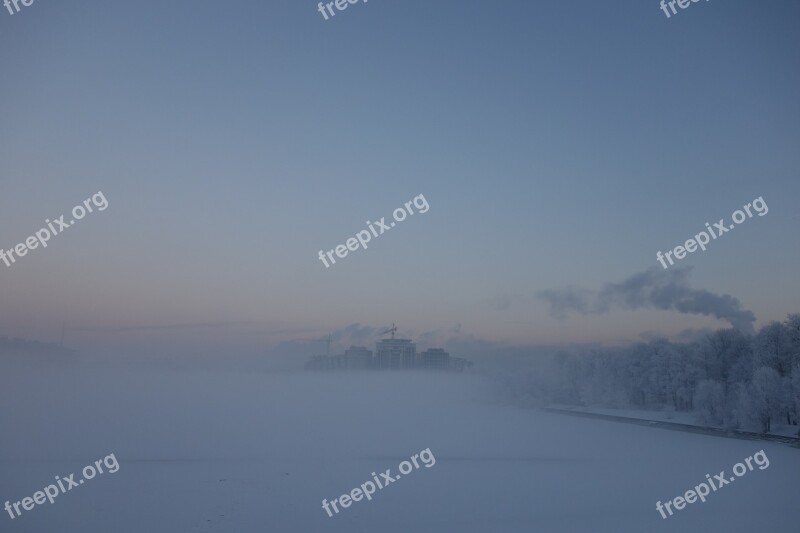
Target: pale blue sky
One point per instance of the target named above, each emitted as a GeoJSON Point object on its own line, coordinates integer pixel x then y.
{"type": "Point", "coordinates": [557, 143]}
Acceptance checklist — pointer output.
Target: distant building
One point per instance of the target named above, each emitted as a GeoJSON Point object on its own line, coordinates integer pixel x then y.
{"type": "Point", "coordinates": [458, 364]}
{"type": "Point", "coordinates": [395, 354]}
{"type": "Point", "coordinates": [319, 363]}
{"type": "Point", "coordinates": [390, 354]}
{"type": "Point", "coordinates": [435, 359]}
{"type": "Point", "coordinates": [358, 357]}
{"type": "Point", "coordinates": [338, 362]}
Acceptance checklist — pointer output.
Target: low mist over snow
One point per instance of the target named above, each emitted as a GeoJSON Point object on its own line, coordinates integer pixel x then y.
{"type": "Point", "coordinates": [220, 452]}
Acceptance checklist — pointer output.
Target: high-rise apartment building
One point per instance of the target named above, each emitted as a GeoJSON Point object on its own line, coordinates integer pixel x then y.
{"type": "Point", "coordinates": [358, 357]}
{"type": "Point", "coordinates": [395, 353]}
{"type": "Point", "coordinates": [435, 359]}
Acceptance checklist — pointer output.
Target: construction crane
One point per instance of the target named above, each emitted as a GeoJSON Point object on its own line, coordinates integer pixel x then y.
{"type": "Point", "coordinates": [328, 341]}
{"type": "Point", "coordinates": [391, 330]}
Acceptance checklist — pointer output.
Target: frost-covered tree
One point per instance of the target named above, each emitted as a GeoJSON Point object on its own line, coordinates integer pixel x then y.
{"type": "Point", "coordinates": [795, 392]}
{"type": "Point", "coordinates": [727, 356]}
{"type": "Point", "coordinates": [687, 371]}
{"type": "Point", "coordinates": [738, 407]}
{"type": "Point", "coordinates": [709, 402]}
{"type": "Point", "coordinates": [772, 348]}
{"type": "Point", "coordinates": [766, 393]}
{"type": "Point", "coordinates": [793, 337]}
{"type": "Point", "coordinates": [788, 413]}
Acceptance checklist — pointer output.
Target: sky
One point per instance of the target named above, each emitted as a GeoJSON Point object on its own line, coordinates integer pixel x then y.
{"type": "Point", "coordinates": [559, 145]}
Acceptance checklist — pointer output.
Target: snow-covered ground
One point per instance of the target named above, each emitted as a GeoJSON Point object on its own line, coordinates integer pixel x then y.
{"type": "Point", "coordinates": [258, 452]}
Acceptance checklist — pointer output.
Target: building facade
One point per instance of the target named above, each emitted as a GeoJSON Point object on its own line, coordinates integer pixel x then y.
{"type": "Point", "coordinates": [358, 357]}
{"type": "Point", "coordinates": [435, 359]}
{"type": "Point", "coordinates": [395, 354]}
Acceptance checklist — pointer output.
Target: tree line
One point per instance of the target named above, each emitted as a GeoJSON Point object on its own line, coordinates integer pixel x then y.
{"type": "Point", "coordinates": [728, 379]}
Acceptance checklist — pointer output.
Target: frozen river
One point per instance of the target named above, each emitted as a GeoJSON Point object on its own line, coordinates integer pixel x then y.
{"type": "Point", "coordinates": [259, 452]}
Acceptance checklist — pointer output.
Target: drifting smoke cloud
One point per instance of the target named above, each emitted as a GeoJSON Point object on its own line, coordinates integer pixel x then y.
{"type": "Point", "coordinates": [654, 288]}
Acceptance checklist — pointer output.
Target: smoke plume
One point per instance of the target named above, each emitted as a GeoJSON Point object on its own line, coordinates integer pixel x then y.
{"type": "Point", "coordinates": [654, 288]}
